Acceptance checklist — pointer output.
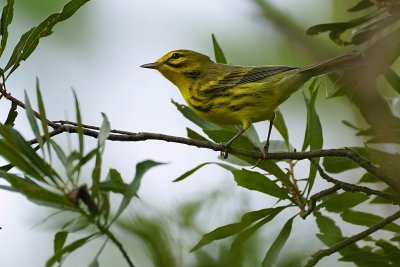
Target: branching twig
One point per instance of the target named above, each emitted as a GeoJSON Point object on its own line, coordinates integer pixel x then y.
{"type": "Point", "coordinates": [314, 198]}
{"type": "Point", "coordinates": [316, 257]}
{"type": "Point", "coordinates": [354, 188]}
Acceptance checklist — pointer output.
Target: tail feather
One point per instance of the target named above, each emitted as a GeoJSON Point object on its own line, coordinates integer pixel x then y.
{"type": "Point", "coordinates": [340, 63]}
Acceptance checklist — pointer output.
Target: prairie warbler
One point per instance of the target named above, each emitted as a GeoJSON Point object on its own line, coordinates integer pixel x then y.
{"type": "Point", "coordinates": [238, 95]}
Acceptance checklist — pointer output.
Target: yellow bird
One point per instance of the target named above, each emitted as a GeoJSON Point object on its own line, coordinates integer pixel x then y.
{"type": "Point", "coordinates": [238, 95]}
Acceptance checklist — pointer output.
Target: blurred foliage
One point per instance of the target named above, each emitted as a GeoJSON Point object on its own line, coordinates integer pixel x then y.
{"type": "Point", "coordinates": [166, 238]}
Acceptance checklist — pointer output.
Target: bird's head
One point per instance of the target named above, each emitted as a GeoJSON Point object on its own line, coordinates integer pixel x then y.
{"type": "Point", "coordinates": [181, 67]}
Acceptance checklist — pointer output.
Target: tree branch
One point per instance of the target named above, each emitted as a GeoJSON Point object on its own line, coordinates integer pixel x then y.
{"type": "Point", "coordinates": [354, 188]}
{"type": "Point", "coordinates": [316, 257]}
{"type": "Point", "coordinates": [126, 136]}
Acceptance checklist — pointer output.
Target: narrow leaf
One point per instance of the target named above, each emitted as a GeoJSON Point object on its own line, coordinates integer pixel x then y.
{"type": "Point", "coordinates": [238, 243]}
{"type": "Point", "coordinates": [234, 228]}
{"type": "Point", "coordinates": [219, 233]}
{"type": "Point", "coordinates": [57, 257]}
{"type": "Point", "coordinates": [59, 241]}
{"type": "Point", "coordinates": [367, 219]}
{"type": "Point", "coordinates": [219, 54]}
{"type": "Point", "coordinates": [280, 125]}
{"type": "Point", "coordinates": [344, 201]}
{"type": "Point", "coordinates": [313, 128]}
{"type": "Point", "coordinates": [258, 182]}
{"type": "Point", "coordinates": [79, 125]}
{"type": "Point", "coordinates": [104, 132]}
{"type": "Point", "coordinates": [43, 117]}
{"type": "Point", "coordinates": [276, 247]}
{"type": "Point", "coordinates": [134, 186]}
{"type": "Point", "coordinates": [330, 234]}
{"type": "Point", "coordinates": [338, 165]}
{"type": "Point", "coordinates": [190, 172]}
{"type": "Point", "coordinates": [6, 18]}
{"type": "Point", "coordinates": [60, 153]}
{"type": "Point", "coordinates": [194, 135]}
{"type": "Point", "coordinates": [193, 117]}
{"type": "Point", "coordinates": [36, 193]}
{"type": "Point", "coordinates": [32, 120]}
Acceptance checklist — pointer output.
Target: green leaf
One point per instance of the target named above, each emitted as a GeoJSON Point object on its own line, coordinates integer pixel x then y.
{"type": "Point", "coordinates": [219, 233]}
{"type": "Point", "coordinates": [79, 124]}
{"type": "Point", "coordinates": [57, 257]}
{"type": "Point", "coordinates": [312, 174]}
{"type": "Point", "coordinates": [344, 201]}
{"type": "Point", "coordinates": [313, 136]}
{"type": "Point", "coordinates": [193, 117]}
{"type": "Point", "coordinates": [59, 241]}
{"type": "Point", "coordinates": [258, 182]}
{"type": "Point", "coordinates": [338, 165]}
{"type": "Point", "coordinates": [43, 117]}
{"type": "Point", "coordinates": [115, 176]}
{"type": "Point", "coordinates": [29, 40]}
{"type": "Point", "coordinates": [6, 19]}
{"type": "Point", "coordinates": [367, 219]}
{"type": "Point", "coordinates": [12, 115]}
{"type": "Point", "coordinates": [19, 153]}
{"type": "Point", "coordinates": [32, 120]}
{"type": "Point", "coordinates": [194, 135]}
{"type": "Point", "coordinates": [280, 125]}
{"type": "Point", "coordinates": [240, 240]}
{"type": "Point", "coordinates": [36, 193]}
{"type": "Point", "coordinates": [219, 54]}
{"type": "Point", "coordinates": [330, 234]}
{"type": "Point", "coordinates": [141, 169]}
{"type": "Point", "coordinates": [367, 258]}
{"type": "Point", "coordinates": [115, 183]}
{"type": "Point", "coordinates": [276, 247]}
{"type": "Point", "coordinates": [113, 186]}
{"type": "Point", "coordinates": [369, 178]}
{"type": "Point", "coordinates": [104, 132]}
{"type": "Point", "coordinates": [60, 153]}
{"type": "Point", "coordinates": [190, 172]}
{"type": "Point", "coordinates": [234, 228]}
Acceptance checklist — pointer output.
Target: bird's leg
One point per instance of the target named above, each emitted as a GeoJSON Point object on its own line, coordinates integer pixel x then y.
{"type": "Point", "coordinates": [266, 146]}
{"type": "Point", "coordinates": [227, 145]}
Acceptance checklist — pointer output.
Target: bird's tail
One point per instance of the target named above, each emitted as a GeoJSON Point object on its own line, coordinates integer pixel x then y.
{"type": "Point", "coordinates": [340, 63]}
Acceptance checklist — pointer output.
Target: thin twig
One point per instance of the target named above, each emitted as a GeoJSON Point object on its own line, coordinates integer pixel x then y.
{"type": "Point", "coordinates": [354, 188]}
{"type": "Point", "coordinates": [316, 257]}
{"type": "Point", "coordinates": [111, 236]}
{"type": "Point", "coordinates": [317, 196]}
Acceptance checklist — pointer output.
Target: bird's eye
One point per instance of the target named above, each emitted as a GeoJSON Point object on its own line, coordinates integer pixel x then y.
{"type": "Point", "coordinates": [175, 56]}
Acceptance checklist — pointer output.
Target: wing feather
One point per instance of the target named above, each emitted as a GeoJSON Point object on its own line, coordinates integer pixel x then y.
{"type": "Point", "coordinates": [242, 75]}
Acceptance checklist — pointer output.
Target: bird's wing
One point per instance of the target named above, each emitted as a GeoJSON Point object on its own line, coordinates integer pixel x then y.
{"type": "Point", "coordinates": [241, 75]}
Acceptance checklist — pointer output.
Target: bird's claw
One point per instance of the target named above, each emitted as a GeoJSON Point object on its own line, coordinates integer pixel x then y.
{"type": "Point", "coordinates": [225, 152]}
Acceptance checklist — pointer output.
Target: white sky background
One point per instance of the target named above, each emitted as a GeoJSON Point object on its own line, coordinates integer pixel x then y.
{"type": "Point", "coordinates": [116, 37]}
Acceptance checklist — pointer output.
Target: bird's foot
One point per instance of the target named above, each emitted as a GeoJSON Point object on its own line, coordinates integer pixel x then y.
{"type": "Point", "coordinates": [225, 152]}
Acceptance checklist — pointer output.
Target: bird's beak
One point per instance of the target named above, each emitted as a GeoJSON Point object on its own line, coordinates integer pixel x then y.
{"type": "Point", "coordinates": [153, 65]}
